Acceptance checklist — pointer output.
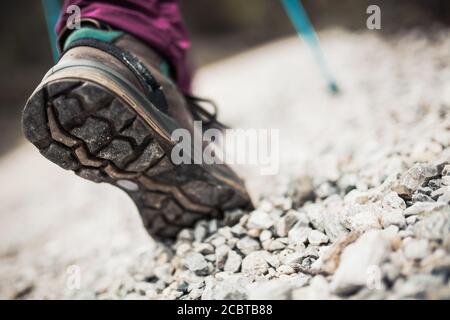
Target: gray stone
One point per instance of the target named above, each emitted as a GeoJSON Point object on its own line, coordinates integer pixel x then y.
{"type": "Point", "coordinates": [298, 235]}
{"type": "Point", "coordinates": [412, 179]}
{"type": "Point", "coordinates": [225, 232]}
{"type": "Point", "coordinates": [285, 269]}
{"type": "Point", "coordinates": [204, 248]}
{"type": "Point", "coordinates": [417, 285]}
{"type": "Point", "coordinates": [445, 197]}
{"type": "Point", "coordinates": [393, 201]}
{"type": "Point", "coordinates": [232, 217]}
{"type": "Point", "coordinates": [301, 190]}
{"type": "Point", "coordinates": [273, 261]}
{"type": "Point", "coordinates": [221, 256]}
{"type": "Point", "coordinates": [434, 226]}
{"type": "Point", "coordinates": [217, 240]}
{"type": "Point", "coordinates": [357, 259]}
{"type": "Point", "coordinates": [420, 197]}
{"type": "Point", "coordinates": [238, 230]}
{"type": "Point", "coordinates": [285, 223]}
{"type": "Point", "coordinates": [247, 245]}
{"type": "Point", "coordinates": [275, 289]}
{"type": "Point", "coordinates": [255, 263]}
{"type": "Point", "coordinates": [318, 289]}
{"type": "Point", "coordinates": [333, 226]}
{"type": "Point", "coordinates": [196, 263]}
{"type": "Point", "coordinates": [233, 263]}
{"type": "Point", "coordinates": [230, 288]}
{"type": "Point", "coordinates": [315, 215]}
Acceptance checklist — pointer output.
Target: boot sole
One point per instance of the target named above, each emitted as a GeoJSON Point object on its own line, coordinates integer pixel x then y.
{"type": "Point", "coordinates": [89, 123]}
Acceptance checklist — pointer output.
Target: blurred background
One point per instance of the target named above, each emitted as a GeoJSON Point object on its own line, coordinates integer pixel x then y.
{"type": "Point", "coordinates": [218, 29]}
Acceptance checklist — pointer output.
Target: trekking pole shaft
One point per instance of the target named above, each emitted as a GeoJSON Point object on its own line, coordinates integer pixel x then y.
{"type": "Point", "coordinates": [305, 30]}
{"type": "Point", "coordinates": [52, 9]}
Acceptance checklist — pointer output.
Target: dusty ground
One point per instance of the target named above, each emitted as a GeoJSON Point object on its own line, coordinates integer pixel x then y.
{"type": "Point", "coordinates": [370, 161]}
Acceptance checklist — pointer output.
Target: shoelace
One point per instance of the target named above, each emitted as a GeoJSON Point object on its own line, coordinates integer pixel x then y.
{"type": "Point", "coordinates": [208, 118]}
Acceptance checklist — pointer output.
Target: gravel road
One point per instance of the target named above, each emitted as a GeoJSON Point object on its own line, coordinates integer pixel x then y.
{"type": "Point", "coordinates": [360, 208]}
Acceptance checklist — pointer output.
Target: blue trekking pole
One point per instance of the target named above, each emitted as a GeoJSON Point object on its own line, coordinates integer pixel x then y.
{"type": "Point", "coordinates": [305, 30]}
{"type": "Point", "coordinates": [52, 9]}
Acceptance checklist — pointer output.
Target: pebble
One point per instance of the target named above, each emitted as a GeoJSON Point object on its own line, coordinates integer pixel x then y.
{"type": "Point", "coordinates": [221, 256]}
{"type": "Point", "coordinates": [393, 201]}
{"type": "Point", "coordinates": [298, 235]}
{"type": "Point", "coordinates": [204, 248]}
{"type": "Point", "coordinates": [247, 245]}
{"type": "Point", "coordinates": [369, 251]}
{"type": "Point", "coordinates": [363, 221]}
{"type": "Point", "coordinates": [265, 235]}
{"type": "Point", "coordinates": [196, 263]}
{"type": "Point", "coordinates": [259, 220]}
{"type": "Point", "coordinates": [233, 263]}
{"type": "Point", "coordinates": [200, 232]}
{"type": "Point", "coordinates": [255, 263]}
{"type": "Point", "coordinates": [393, 217]}
{"type": "Point", "coordinates": [416, 249]}
{"type": "Point", "coordinates": [284, 224]}
{"type": "Point", "coordinates": [275, 245]}
{"type": "Point", "coordinates": [317, 238]}
{"type": "Point", "coordinates": [423, 208]}
{"type": "Point", "coordinates": [412, 179]}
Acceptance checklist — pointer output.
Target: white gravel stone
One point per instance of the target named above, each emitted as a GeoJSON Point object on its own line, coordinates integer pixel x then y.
{"type": "Point", "coordinates": [411, 220]}
{"type": "Point", "coordinates": [196, 263]}
{"type": "Point", "coordinates": [285, 269]}
{"type": "Point", "coordinates": [416, 249]}
{"type": "Point", "coordinates": [367, 253]}
{"type": "Point", "coordinates": [233, 263]}
{"type": "Point", "coordinates": [317, 238]}
{"type": "Point", "coordinates": [393, 201]}
{"type": "Point", "coordinates": [204, 248]}
{"type": "Point", "coordinates": [247, 245]}
{"type": "Point", "coordinates": [434, 226]}
{"type": "Point", "coordinates": [364, 221]}
{"type": "Point", "coordinates": [265, 235]}
{"type": "Point", "coordinates": [275, 244]}
{"type": "Point", "coordinates": [315, 216]}
{"type": "Point", "coordinates": [393, 217]}
{"type": "Point", "coordinates": [255, 263]}
{"type": "Point", "coordinates": [298, 235]}
{"type": "Point", "coordinates": [230, 288]}
{"type": "Point", "coordinates": [423, 208]}
{"type": "Point", "coordinates": [221, 256]}
{"type": "Point", "coordinates": [259, 220]}
{"type": "Point", "coordinates": [284, 224]}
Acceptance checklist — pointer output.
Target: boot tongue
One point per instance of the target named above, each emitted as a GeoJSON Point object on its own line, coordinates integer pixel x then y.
{"type": "Point", "coordinates": [108, 36]}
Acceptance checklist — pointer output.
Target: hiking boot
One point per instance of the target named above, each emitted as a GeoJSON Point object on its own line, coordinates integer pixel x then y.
{"type": "Point", "coordinates": [106, 111]}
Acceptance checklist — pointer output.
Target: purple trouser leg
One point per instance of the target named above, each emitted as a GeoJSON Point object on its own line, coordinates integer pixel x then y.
{"type": "Point", "coordinates": [156, 22]}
